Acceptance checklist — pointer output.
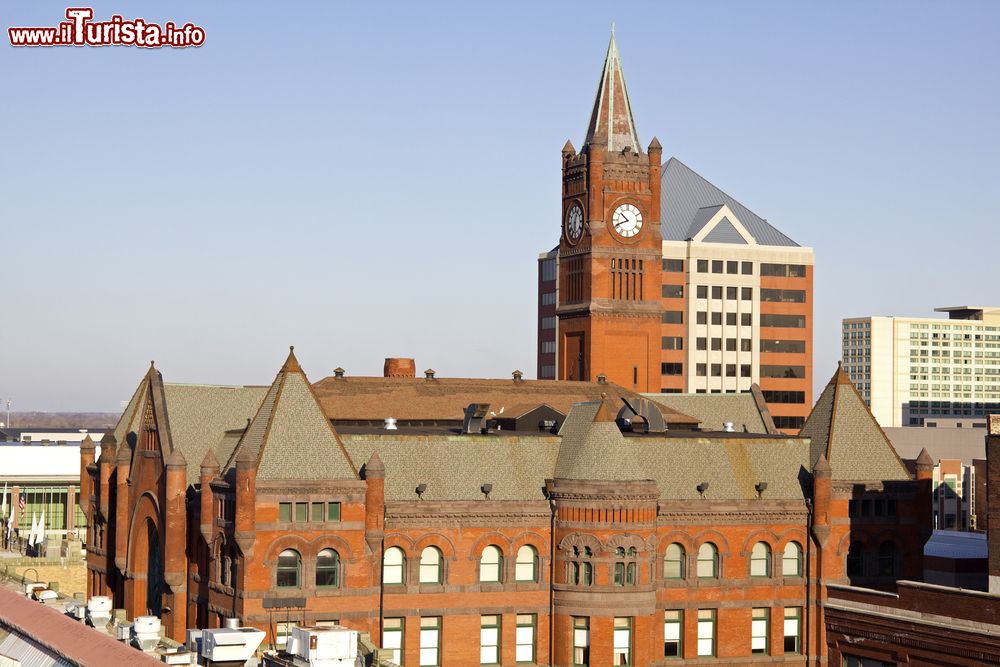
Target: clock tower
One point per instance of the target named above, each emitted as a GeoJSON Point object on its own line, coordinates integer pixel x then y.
{"type": "Point", "coordinates": [610, 250]}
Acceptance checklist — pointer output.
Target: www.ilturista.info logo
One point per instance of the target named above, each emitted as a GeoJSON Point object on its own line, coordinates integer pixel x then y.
{"type": "Point", "coordinates": [80, 30]}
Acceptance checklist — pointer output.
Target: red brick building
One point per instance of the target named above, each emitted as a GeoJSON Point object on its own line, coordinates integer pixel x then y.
{"type": "Point", "coordinates": [466, 522]}
{"type": "Point", "coordinates": [664, 283]}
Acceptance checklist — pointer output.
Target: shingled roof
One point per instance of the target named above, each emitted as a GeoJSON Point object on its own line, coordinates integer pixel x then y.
{"type": "Point", "coordinates": [842, 428]}
{"type": "Point", "coordinates": [714, 410]}
{"type": "Point", "coordinates": [594, 448]}
{"type": "Point", "coordinates": [445, 399]}
{"type": "Point", "coordinates": [290, 437]}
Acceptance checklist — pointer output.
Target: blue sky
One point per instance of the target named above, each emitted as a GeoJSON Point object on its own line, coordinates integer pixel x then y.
{"type": "Point", "coordinates": [376, 179]}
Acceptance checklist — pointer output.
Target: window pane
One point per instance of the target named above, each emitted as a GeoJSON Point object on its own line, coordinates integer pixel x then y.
{"type": "Point", "coordinates": [302, 512]}
{"type": "Point", "coordinates": [317, 511]}
{"type": "Point", "coordinates": [284, 511]}
{"type": "Point", "coordinates": [333, 511]}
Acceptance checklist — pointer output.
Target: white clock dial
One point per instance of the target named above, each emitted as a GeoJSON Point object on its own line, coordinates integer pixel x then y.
{"type": "Point", "coordinates": [627, 220]}
{"type": "Point", "coordinates": [574, 222]}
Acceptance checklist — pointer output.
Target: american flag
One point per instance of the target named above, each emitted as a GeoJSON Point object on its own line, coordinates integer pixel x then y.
{"type": "Point", "coordinates": [22, 501]}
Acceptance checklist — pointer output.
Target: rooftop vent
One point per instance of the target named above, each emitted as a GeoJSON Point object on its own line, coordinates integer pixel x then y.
{"type": "Point", "coordinates": [338, 372]}
{"type": "Point", "coordinates": [475, 418]}
{"type": "Point", "coordinates": [518, 376]}
{"type": "Point", "coordinates": [641, 407]}
{"type": "Point", "coordinates": [421, 488]}
{"type": "Point", "coordinates": [486, 489]}
{"type": "Point", "coordinates": [602, 378]}
{"type": "Point", "coordinates": [429, 374]}
{"type": "Point", "coordinates": [728, 427]}
{"type": "Point", "coordinates": [702, 488]}
{"type": "Point", "coordinates": [390, 424]}
{"type": "Point", "coordinates": [761, 488]}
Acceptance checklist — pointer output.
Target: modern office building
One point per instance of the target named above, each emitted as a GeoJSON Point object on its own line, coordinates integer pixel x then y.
{"type": "Point", "coordinates": [662, 282]}
{"type": "Point", "coordinates": [910, 370]}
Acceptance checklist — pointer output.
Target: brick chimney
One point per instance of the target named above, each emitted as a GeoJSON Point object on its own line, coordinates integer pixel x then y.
{"type": "Point", "coordinates": [109, 449]}
{"type": "Point", "coordinates": [123, 464]}
{"type": "Point", "coordinates": [993, 501]}
{"type": "Point", "coordinates": [398, 367]}
{"type": "Point", "coordinates": [87, 456]}
{"type": "Point", "coordinates": [374, 503]}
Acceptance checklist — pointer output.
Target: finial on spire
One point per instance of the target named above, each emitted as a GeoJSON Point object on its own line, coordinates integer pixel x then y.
{"type": "Point", "coordinates": [291, 363]}
{"type": "Point", "coordinates": [612, 30]}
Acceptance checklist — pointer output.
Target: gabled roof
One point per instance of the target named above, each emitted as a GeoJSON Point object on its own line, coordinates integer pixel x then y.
{"type": "Point", "coordinates": [611, 123]}
{"type": "Point", "coordinates": [714, 410]}
{"type": "Point", "coordinates": [290, 437]}
{"type": "Point", "coordinates": [685, 194]}
{"type": "Point", "coordinates": [725, 232]}
{"type": "Point", "coordinates": [842, 428]}
{"type": "Point", "coordinates": [445, 399]}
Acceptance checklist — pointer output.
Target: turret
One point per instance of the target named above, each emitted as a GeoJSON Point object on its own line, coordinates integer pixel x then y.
{"type": "Point", "coordinates": [174, 557]}
{"type": "Point", "coordinates": [87, 453]}
{"type": "Point", "coordinates": [209, 471]}
{"type": "Point", "coordinates": [246, 497]}
{"type": "Point", "coordinates": [822, 475]}
{"type": "Point", "coordinates": [374, 503]}
{"type": "Point", "coordinates": [105, 465]}
{"type": "Point", "coordinates": [123, 462]}
{"type": "Point", "coordinates": [925, 494]}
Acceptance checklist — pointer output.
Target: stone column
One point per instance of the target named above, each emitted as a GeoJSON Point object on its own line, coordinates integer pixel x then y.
{"type": "Point", "coordinates": [175, 552]}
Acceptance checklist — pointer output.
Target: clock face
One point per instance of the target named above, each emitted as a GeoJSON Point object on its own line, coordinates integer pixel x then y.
{"type": "Point", "coordinates": [627, 220]}
{"type": "Point", "coordinates": [574, 223]}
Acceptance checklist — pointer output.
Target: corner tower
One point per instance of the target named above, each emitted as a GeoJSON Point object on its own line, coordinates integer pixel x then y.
{"type": "Point", "coordinates": [610, 250]}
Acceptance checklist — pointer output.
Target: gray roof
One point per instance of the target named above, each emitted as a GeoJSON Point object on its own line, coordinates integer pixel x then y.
{"type": "Point", "coordinates": [290, 435]}
{"type": "Point", "coordinates": [714, 410]}
{"type": "Point", "coordinates": [685, 193]}
{"type": "Point", "coordinates": [200, 415]}
{"type": "Point", "coordinates": [842, 427]}
{"type": "Point", "coordinates": [454, 467]}
{"type": "Point", "coordinates": [725, 232]}
{"type": "Point", "coordinates": [594, 448]}
{"type": "Point", "coordinates": [964, 444]}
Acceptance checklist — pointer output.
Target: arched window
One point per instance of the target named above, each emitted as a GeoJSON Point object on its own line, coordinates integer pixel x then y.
{"type": "Point", "coordinates": [620, 567]}
{"type": "Point", "coordinates": [708, 561]}
{"type": "Point", "coordinates": [856, 560]}
{"type": "Point", "coordinates": [760, 560]}
{"type": "Point", "coordinates": [526, 565]}
{"type": "Point", "coordinates": [490, 564]}
{"type": "Point", "coordinates": [234, 561]}
{"type": "Point", "coordinates": [289, 569]}
{"type": "Point", "coordinates": [430, 566]}
{"type": "Point", "coordinates": [328, 568]}
{"type": "Point", "coordinates": [580, 571]}
{"type": "Point", "coordinates": [673, 562]}
{"type": "Point", "coordinates": [887, 559]}
{"type": "Point", "coordinates": [394, 566]}
{"type": "Point", "coordinates": [791, 560]}
{"type": "Point", "coordinates": [631, 567]}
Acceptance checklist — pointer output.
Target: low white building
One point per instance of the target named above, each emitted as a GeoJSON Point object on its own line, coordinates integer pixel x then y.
{"type": "Point", "coordinates": [910, 370]}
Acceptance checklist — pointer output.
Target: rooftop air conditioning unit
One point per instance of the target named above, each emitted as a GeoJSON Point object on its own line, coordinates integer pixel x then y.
{"type": "Point", "coordinates": [325, 647]}
{"type": "Point", "coordinates": [230, 644]}
{"type": "Point", "coordinates": [30, 588]}
{"type": "Point", "coordinates": [146, 632]}
{"type": "Point", "coordinates": [99, 610]}
{"type": "Point", "coordinates": [45, 595]}
{"type": "Point", "coordinates": [193, 641]}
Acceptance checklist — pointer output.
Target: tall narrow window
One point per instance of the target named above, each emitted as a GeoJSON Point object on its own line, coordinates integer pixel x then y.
{"type": "Point", "coordinates": [760, 560]}
{"type": "Point", "coordinates": [581, 642]}
{"type": "Point", "coordinates": [489, 640]}
{"type": "Point", "coordinates": [526, 566]}
{"type": "Point", "coordinates": [392, 638]}
{"type": "Point", "coordinates": [524, 637]}
{"type": "Point", "coordinates": [430, 641]}
{"type": "Point", "coordinates": [289, 569]}
{"type": "Point", "coordinates": [706, 632]}
{"type": "Point", "coordinates": [623, 641]}
{"type": "Point", "coordinates": [708, 561]}
{"type": "Point", "coordinates": [620, 567]}
{"type": "Point", "coordinates": [887, 560]}
{"type": "Point", "coordinates": [855, 559]}
{"type": "Point", "coordinates": [759, 630]}
{"type": "Point", "coordinates": [327, 568]}
{"type": "Point", "coordinates": [393, 567]}
{"type": "Point", "coordinates": [490, 564]}
{"type": "Point", "coordinates": [430, 566]}
{"type": "Point", "coordinates": [791, 560]}
{"type": "Point", "coordinates": [793, 630]}
{"type": "Point", "coordinates": [673, 633]}
{"type": "Point", "coordinates": [673, 562]}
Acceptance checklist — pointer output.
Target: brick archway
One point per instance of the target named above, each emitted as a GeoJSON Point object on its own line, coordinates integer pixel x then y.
{"type": "Point", "coordinates": [145, 560]}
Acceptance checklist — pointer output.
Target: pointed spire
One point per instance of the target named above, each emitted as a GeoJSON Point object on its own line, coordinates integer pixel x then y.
{"type": "Point", "coordinates": [822, 467]}
{"type": "Point", "coordinates": [175, 459]}
{"type": "Point", "coordinates": [245, 459]}
{"type": "Point", "coordinates": [840, 377]}
{"type": "Point", "coordinates": [88, 442]}
{"type": "Point", "coordinates": [291, 363]}
{"type": "Point", "coordinates": [612, 126]}
{"type": "Point", "coordinates": [568, 148]}
{"type": "Point", "coordinates": [209, 462]}
{"type": "Point", "coordinates": [924, 458]}
{"type": "Point", "coordinates": [374, 468]}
